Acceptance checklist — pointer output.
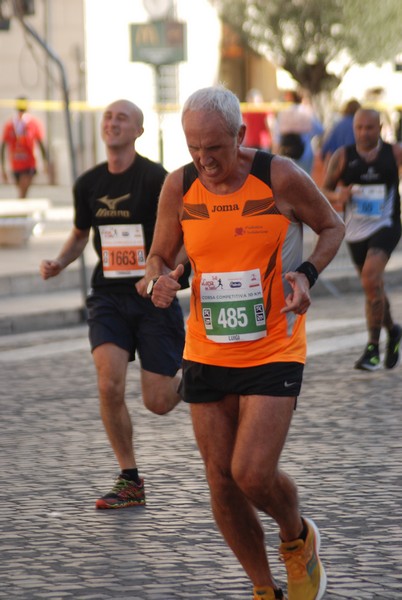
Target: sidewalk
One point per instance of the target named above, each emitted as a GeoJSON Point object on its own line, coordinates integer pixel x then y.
{"type": "Point", "coordinates": [27, 303]}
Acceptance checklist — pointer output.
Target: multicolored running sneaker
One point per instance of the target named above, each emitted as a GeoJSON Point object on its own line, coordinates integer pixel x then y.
{"type": "Point", "coordinates": [268, 594]}
{"type": "Point", "coordinates": [392, 350]}
{"type": "Point", "coordinates": [306, 575]}
{"type": "Point", "coordinates": [124, 493]}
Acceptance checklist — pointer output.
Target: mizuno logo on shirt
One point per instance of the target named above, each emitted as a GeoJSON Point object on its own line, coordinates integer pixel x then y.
{"type": "Point", "coordinates": [112, 210]}
{"type": "Point", "coordinates": [104, 212]}
{"type": "Point", "coordinates": [112, 203]}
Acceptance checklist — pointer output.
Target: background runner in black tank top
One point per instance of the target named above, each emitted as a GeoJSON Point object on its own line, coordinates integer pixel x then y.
{"type": "Point", "coordinates": [363, 179]}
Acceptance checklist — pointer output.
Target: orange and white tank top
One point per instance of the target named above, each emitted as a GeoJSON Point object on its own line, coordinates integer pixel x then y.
{"type": "Point", "coordinates": [240, 248]}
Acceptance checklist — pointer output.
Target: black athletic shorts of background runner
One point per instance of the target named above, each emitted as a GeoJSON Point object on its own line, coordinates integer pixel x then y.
{"type": "Point", "coordinates": [208, 383]}
{"type": "Point", "coordinates": [136, 325]}
{"type": "Point", "coordinates": [385, 239]}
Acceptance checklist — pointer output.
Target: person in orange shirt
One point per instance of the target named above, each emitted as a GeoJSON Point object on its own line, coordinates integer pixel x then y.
{"type": "Point", "coordinates": [20, 134]}
{"type": "Point", "coordinates": [240, 213]}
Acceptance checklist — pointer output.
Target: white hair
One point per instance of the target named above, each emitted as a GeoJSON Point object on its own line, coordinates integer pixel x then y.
{"type": "Point", "coordinates": [220, 100]}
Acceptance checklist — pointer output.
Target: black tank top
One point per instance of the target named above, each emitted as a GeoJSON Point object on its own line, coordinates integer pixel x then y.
{"type": "Point", "coordinates": [382, 170]}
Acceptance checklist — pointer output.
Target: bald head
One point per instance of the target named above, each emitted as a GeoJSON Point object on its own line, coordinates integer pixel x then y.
{"type": "Point", "coordinates": [122, 124]}
{"type": "Point", "coordinates": [367, 114]}
{"type": "Point", "coordinates": [367, 129]}
{"type": "Point", "coordinates": [128, 108]}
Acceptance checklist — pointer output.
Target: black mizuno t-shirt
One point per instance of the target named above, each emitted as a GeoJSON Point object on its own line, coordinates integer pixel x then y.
{"type": "Point", "coordinates": [103, 198]}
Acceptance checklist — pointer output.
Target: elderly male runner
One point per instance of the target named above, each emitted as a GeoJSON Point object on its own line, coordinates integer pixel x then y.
{"type": "Point", "coordinates": [240, 213]}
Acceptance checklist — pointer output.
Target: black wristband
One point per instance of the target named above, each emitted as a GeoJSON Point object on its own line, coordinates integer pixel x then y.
{"type": "Point", "coordinates": [309, 271]}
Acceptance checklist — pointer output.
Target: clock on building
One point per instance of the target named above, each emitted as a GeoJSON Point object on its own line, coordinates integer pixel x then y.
{"type": "Point", "coordinates": [157, 9]}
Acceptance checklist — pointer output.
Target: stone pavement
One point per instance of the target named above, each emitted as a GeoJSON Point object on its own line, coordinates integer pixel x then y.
{"type": "Point", "coordinates": [344, 450]}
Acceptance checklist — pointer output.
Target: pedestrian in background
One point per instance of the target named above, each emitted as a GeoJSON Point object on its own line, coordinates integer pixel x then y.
{"type": "Point", "coordinates": [118, 200]}
{"type": "Point", "coordinates": [240, 213]}
{"type": "Point", "coordinates": [296, 127]}
{"type": "Point", "coordinates": [362, 180]}
{"type": "Point", "coordinates": [20, 136]}
{"type": "Point", "coordinates": [258, 133]}
{"type": "Point", "coordinates": [341, 134]}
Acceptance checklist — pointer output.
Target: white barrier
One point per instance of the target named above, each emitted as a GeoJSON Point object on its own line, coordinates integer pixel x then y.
{"type": "Point", "coordinates": [18, 219]}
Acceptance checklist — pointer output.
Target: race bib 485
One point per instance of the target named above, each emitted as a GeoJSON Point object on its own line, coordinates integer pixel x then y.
{"type": "Point", "coordinates": [233, 306]}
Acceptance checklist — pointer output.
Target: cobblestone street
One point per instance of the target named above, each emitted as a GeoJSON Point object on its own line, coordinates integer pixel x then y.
{"type": "Point", "coordinates": [344, 451]}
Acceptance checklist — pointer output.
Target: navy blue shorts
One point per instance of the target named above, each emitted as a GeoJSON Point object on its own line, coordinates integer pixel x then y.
{"type": "Point", "coordinates": [133, 323]}
{"type": "Point", "coordinates": [385, 239]}
{"type": "Point", "coordinates": [208, 383]}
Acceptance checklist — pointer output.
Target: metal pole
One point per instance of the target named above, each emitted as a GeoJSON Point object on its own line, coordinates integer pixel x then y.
{"type": "Point", "coordinates": [158, 81]}
{"type": "Point", "coordinates": [65, 89]}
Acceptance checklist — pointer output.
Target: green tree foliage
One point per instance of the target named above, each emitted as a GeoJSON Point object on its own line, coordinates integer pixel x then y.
{"type": "Point", "coordinates": [304, 36]}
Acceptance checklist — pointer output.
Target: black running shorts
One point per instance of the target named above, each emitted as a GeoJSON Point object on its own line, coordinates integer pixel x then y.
{"type": "Point", "coordinates": [136, 325]}
{"type": "Point", "coordinates": [208, 383]}
{"type": "Point", "coordinates": [385, 239]}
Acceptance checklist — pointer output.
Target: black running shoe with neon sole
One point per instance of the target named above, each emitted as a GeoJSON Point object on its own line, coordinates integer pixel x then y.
{"type": "Point", "coordinates": [392, 350]}
{"type": "Point", "coordinates": [370, 359]}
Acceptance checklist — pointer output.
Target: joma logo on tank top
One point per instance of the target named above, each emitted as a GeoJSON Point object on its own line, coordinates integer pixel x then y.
{"type": "Point", "coordinates": [225, 207]}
